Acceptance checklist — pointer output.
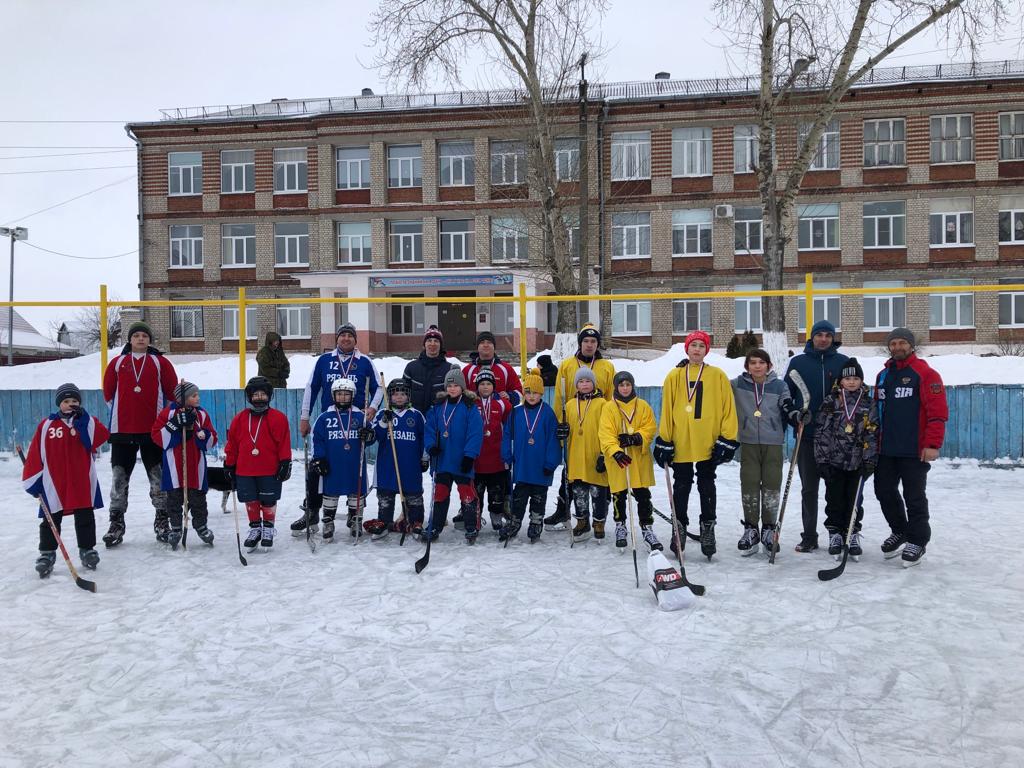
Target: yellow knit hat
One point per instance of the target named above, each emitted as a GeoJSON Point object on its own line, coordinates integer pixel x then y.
{"type": "Point", "coordinates": [532, 382]}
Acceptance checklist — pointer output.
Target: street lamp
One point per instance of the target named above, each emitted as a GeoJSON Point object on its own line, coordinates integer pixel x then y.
{"type": "Point", "coordinates": [14, 233]}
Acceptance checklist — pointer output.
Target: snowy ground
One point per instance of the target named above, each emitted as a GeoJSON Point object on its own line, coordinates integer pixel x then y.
{"type": "Point", "coordinates": [535, 655]}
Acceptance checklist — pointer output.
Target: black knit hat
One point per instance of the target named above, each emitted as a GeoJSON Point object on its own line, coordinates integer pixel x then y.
{"type": "Point", "coordinates": [347, 328]}
{"type": "Point", "coordinates": [484, 374]}
{"type": "Point", "coordinates": [485, 336]}
{"type": "Point", "coordinates": [622, 376]}
{"type": "Point", "coordinates": [852, 368]}
{"type": "Point", "coordinates": [137, 326]}
{"type": "Point", "coordinates": [588, 331]}
{"type": "Point", "coordinates": [901, 333]}
{"type": "Point", "coordinates": [65, 391]}
{"type": "Point", "coordinates": [433, 332]}
{"type": "Point", "coordinates": [184, 390]}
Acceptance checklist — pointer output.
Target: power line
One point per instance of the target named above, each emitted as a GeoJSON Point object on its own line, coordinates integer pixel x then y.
{"type": "Point", "coordinates": [83, 258]}
{"type": "Point", "coordinates": [66, 154]}
{"type": "Point", "coordinates": [65, 170]}
{"type": "Point", "coordinates": [70, 200]}
{"type": "Point", "coordinates": [59, 146]}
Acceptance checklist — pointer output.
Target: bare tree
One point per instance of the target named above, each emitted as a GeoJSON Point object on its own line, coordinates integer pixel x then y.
{"type": "Point", "coordinates": [536, 46]}
{"type": "Point", "coordinates": [88, 321]}
{"type": "Point", "coordinates": [809, 54]}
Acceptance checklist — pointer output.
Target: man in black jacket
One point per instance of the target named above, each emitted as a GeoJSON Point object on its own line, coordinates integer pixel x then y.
{"type": "Point", "coordinates": [426, 373]}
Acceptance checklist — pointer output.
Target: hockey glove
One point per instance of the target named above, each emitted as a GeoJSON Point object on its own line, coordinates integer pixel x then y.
{"type": "Point", "coordinates": [636, 439]}
{"type": "Point", "coordinates": [424, 463]}
{"type": "Point", "coordinates": [434, 450]}
{"type": "Point", "coordinates": [622, 459]}
{"type": "Point", "coordinates": [320, 466]}
{"type": "Point", "coordinates": [229, 476]}
{"type": "Point", "coordinates": [172, 424]}
{"type": "Point", "coordinates": [625, 440]}
{"type": "Point", "coordinates": [802, 416]}
{"type": "Point", "coordinates": [723, 450]}
{"type": "Point", "coordinates": [284, 470]}
{"type": "Point", "coordinates": [664, 452]}
{"type": "Point", "coordinates": [366, 435]}
{"type": "Point", "coordinates": [600, 467]}
{"type": "Point", "coordinates": [386, 417]}
{"type": "Point", "coordinates": [466, 465]}
{"type": "Point", "coordinates": [562, 431]}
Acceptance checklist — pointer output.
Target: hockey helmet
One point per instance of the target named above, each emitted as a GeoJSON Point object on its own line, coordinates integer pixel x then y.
{"type": "Point", "coordinates": [399, 386]}
{"type": "Point", "coordinates": [343, 385]}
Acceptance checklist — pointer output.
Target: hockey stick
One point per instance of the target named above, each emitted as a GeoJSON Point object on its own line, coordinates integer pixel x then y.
{"type": "Point", "coordinates": [238, 534]}
{"type": "Point", "coordinates": [88, 586]}
{"type": "Point", "coordinates": [629, 507]}
{"type": "Point", "coordinates": [310, 538]}
{"type": "Point", "coordinates": [422, 562]}
{"type": "Point", "coordinates": [394, 458]}
{"type": "Point", "coordinates": [697, 589]}
{"type": "Point", "coordinates": [357, 522]}
{"type": "Point", "coordinates": [667, 519]}
{"type": "Point", "coordinates": [564, 488]}
{"type": "Point", "coordinates": [828, 574]}
{"type": "Point", "coordinates": [785, 495]}
{"type": "Point", "coordinates": [184, 483]}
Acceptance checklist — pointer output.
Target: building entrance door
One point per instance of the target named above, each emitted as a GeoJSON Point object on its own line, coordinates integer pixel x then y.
{"type": "Point", "coordinates": [457, 322]}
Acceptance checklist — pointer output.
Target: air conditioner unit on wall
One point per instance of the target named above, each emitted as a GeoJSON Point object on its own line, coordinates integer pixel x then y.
{"type": "Point", "coordinates": [723, 211]}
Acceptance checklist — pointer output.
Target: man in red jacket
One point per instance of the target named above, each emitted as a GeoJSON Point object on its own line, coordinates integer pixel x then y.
{"type": "Point", "coordinates": [912, 412]}
{"type": "Point", "coordinates": [507, 385]}
{"type": "Point", "coordinates": [136, 385]}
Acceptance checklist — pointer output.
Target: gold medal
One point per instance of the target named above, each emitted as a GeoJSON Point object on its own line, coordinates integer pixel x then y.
{"type": "Point", "coordinates": [581, 433]}
{"type": "Point", "coordinates": [444, 434]}
{"type": "Point", "coordinates": [73, 433]}
{"type": "Point", "coordinates": [487, 433]}
{"type": "Point", "coordinates": [255, 451]}
{"type": "Point", "coordinates": [849, 429]}
{"type": "Point", "coordinates": [689, 409]}
{"type": "Point", "coordinates": [530, 441]}
{"type": "Point", "coordinates": [757, 414]}
{"type": "Point", "coordinates": [137, 388]}
{"type": "Point", "coordinates": [348, 447]}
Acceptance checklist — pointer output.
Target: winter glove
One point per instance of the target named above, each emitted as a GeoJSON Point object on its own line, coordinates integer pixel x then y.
{"type": "Point", "coordinates": [664, 452]}
{"type": "Point", "coordinates": [636, 439]}
{"type": "Point", "coordinates": [77, 412]}
{"type": "Point", "coordinates": [173, 424]}
{"type": "Point", "coordinates": [625, 440]}
{"type": "Point", "coordinates": [424, 462]}
{"type": "Point", "coordinates": [320, 466]}
{"type": "Point", "coordinates": [867, 469]}
{"type": "Point", "coordinates": [723, 450]}
{"type": "Point", "coordinates": [548, 472]}
{"type": "Point", "coordinates": [229, 475]}
{"type": "Point", "coordinates": [802, 416]}
{"type": "Point", "coordinates": [434, 450]}
{"type": "Point", "coordinates": [386, 417]}
{"type": "Point", "coordinates": [562, 431]}
{"type": "Point", "coordinates": [284, 470]}
{"type": "Point", "coordinates": [467, 464]}
{"type": "Point", "coordinates": [622, 459]}
{"type": "Point", "coordinates": [366, 435]}
{"type": "Point", "coordinates": [600, 464]}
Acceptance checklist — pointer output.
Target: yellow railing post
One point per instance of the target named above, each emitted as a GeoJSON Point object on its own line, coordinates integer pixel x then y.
{"type": "Point", "coordinates": [522, 329]}
{"type": "Point", "coordinates": [241, 337]}
{"type": "Point", "coordinates": [808, 304]}
{"type": "Point", "coordinates": [104, 341]}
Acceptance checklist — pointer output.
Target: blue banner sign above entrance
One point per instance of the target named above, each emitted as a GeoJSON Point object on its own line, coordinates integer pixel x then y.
{"type": "Point", "coordinates": [439, 281]}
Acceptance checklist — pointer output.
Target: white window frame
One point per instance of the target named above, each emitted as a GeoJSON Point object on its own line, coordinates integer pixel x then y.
{"type": "Point", "coordinates": [405, 171]}
{"type": "Point", "coordinates": [188, 245]}
{"type": "Point", "coordinates": [289, 315]}
{"type": "Point", "coordinates": [691, 152]}
{"type": "Point", "coordinates": [694, 227]}
{"type": "Point", "coordinates": [826, 156]}
{"type": "Point", "coordinates": [631, 235]}
{"type": "Point", "coordinates": [889, 145]}
{"type": "Point", "coordinates": [703, 309]}
{"type": "Point", "coordinates": [747, 306]}
{"type": "Point", "coordinates": [894, 303]}
{"type": "Point", "coordinates": [355, 242]}
{"type": "Point", "coordinates": [237, 176]}
{"type": "Point", "coordinates": [509, 158]}
{"type": "Point", "coordinates": [231, 322]}
{"type": "Point", "coordinates": [293, 247]}
{"type": "Point", "coordinates": [948, 144]}
{"type": "Point", "coordinates": [567, 158]}
{"type": "Point", "coordinates": [631, 156]}
{"type": "Point", "coordinates": [1011, 135]}
{"type": "Point", "coordinates": [229, 243]}
{"type": "Point", "coordinates": [746, 146]}
{"type": "Point", "coordinates": [874, 223]}
{"type": "Point", "coordinates": [825, 307]}
{"type": "Point", "coordinates": [959, 215]}
{"type": "Point", "coordinates": [179, 171]}
{"type": "Point", "coordinates": [356, 169]}
{"type": "Point", "coordinates": [459, 168]}
{"type": "Point", "coordinates": [411, 317]}
{"type": "Point", "coordinates": [291, 174]}
{"type": "Point", "coordinates": [511, 235]}
{"type": "Point", "coordinates": [398, 242]}
{"type": "Point", "coordinates": [458, 244]}
{"type": "Point", "coordinates": [959, 303]}
{"type": "Point", "coordinates": [818, 220]}
{"type": "Point", "coordinates": [748, 226]}
{"type": "Point", "coordinates": [185, 319]}
{"type": "Point", "coordinates": [1011, 207]}
{"type": "Point", "coordinates": [502, 317]}
{"type": "Point", "coordinates": [621, 312]}
{"type": "Point", "coordinates": [1014, 301]}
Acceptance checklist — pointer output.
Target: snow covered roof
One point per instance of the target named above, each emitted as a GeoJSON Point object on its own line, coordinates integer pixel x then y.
{"type": "Point", "coordinates": [27, 338]}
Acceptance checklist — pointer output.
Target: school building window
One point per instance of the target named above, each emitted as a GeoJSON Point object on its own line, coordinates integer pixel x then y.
{"type": "Point", "coordinates": [186, 244]}
{"type": "Point", "coordinates": [885, 142]}
{"type": "Point", "coordinates": [748, 310]}
{"type": "Point", "coordinates": [237, 171]}
{"type": "Point", "coordinates": [951, 310]}
{"type": "Point", "coordinates": [231, 323]}
{"type": "Point", "coordinates": [825, 307]}
{"type": "Point", "coordinates": [690, 315]}
{"type": "Point", "coordinates": [186, 322]}
{"type": "Point", "coordinates": [456, 161]}
{"type": "Point", "coordinates": [184, 173]}
{"type": "Point", "coordinates": [290, 170]}
{"type": "Point", "coordinates": [293, 322]}
{"type": "Point", "coordinates": [291, 244]}
{"type": "Point", "coordinates": [354, 242]}
{"type": "Point", "coordinates": [631, 156]}
{"type": "Point", "coordinates": [885, 224]}
{"type": "Point", "coordinates": [352, 167]}
{"type": "Point", "coordinates": [405, 166]}
{"type": "Point", "coordinates": [884, 311]}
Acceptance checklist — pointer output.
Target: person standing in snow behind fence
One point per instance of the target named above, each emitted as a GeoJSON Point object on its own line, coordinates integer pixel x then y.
{"type": "Point", "coordinates": [697, 432]}
{"type": "Point", "coordinates": [530, 448]}
{"type": "Point", "coordinates": [61, 468]}
{"type": "Point", "coordinates": [183, 420]}
{"type": "Point", "coordinates": [626, 432]}
{"type": "Point", "coordinates": [342, 362]}
{"type": "Point", "coordinates": [273, 362]}
{"type": "Point", "coordinates": [846, 450]}
{"type": "Point", "coordinates": [136, 385]}
{"type": "Point", "coordinates": [763, 408]}
{"type": "Point", "coordinates": [453, 438]}
{"type": "Point", "coordinates": [258, 459]}
{"type": "Point", "coordinates": [588, 477]}
{"type": "Point", "coordinates": [912, 414]}
{"type": "Point", "coordinates": [407, 426]}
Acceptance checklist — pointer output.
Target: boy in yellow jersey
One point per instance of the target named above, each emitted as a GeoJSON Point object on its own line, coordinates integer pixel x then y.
{"type": "Point", "coordinates": [588, 356]}
{"type": "Point", "coordinates": [588, 478]}
{"type": "Point", "coordinates": [697, 432]}
{"type": "Point", "coordinates": [626, 431]}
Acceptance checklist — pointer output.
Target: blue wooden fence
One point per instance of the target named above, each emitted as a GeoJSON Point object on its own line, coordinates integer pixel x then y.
{"type": "Point", "coordinates": [986, 421]}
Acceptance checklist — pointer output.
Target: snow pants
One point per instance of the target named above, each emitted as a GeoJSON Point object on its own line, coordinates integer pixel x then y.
{"type": "Point", "coordinates": [644, 508]}
{"type": "Point", "coordinates": [443, 482]}
{"type": "Point", "coordinates": [196, 507]}
{"type": "Point", "coordinates": [495, 486]}
{"type": "Point", "coordinates": [586, 494]}
{"type": "Point", "coordinates": [85, 529]}
{"type": "Point", "coordinates": [682, 482]}
{"type": "Point", "coordinates": [413, 509]}
{"type": "Point", "coordinates": [907, 514]}
{"type": "Point", "coordinates": [124, 450]}
{"type": "Point", "coordinates": [534, 495]}
{"type": "Point", "coordinates": [840, 489]}
{"type": "Point", "coordinates": [760, 483]}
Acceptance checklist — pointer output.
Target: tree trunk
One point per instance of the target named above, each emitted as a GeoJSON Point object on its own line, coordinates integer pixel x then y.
{"type": "Point", "coordinates": [773, 315]}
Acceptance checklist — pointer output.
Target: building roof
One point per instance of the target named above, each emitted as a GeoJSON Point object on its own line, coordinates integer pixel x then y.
{"type": "Point", "coordinates": [27, 338]}
{"type": "Point", "coordinates": [644, 90]}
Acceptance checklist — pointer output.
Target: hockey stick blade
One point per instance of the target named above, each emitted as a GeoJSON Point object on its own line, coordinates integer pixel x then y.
{"type": "Point", "coordinates": [827, 574]}
{"type": "Point", "coordinates": [423, 561]}
{"type": "Point", "coordinates": [88, 586]}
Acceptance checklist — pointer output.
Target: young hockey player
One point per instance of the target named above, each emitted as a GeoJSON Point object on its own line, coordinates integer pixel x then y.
{"type": "Point", "coordinates": [846, 451]}
{"type": "Point", "coordinates": [61, 468]}
{"type": "Point", "coordinates": [183, 421]}
{"type": "Point", "coordinates": [490, 473]}
{"type": "Point", "coordinates": [588, 478]}
{"type": "Point", "coordinates": [258, 459]}
{"type": "Point", "coordinates": [626, 431]}
{"type": "Point", "coordinates": [531, 449]}
{"type": "Point", "coordinates": [697, 432]}
{"type": "Point", "coordinates": [453, 438]}
{"type": "Point", "coordinates": [340, 435]}
{"type": "Point", "coordinates": [403, 424]}
{"type": "Point", "coordinates": [763, 407]}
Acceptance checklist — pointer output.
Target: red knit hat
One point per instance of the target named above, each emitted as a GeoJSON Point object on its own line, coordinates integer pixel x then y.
{"type": "Point", "coordinates": [433, 332]}
{"type": "Point", "coordinates": [697, 336]}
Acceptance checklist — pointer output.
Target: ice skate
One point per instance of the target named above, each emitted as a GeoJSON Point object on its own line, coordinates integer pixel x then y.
{"type": "Point", "coordinates": [253, 539]}
{"type": "Point", "coordinates": [267, 536]}
{"type": "Point", "coordinates": [44, 563]}
{"type": "Point", "coordinates": [912, 554]}
{"type": "Point", "coordinates": [205, 534]}
{"type": "Point", "coordinates": [90, 558]}
{"type": "Point", "coordinates": [582, 530]}
{"type": "Point", "coordinates": [891, 546]}
{"type": "Point", "coordinates": [856, 549]}
{"type": "Point", "coordinates": [650, 539]}
{"type": "Point", "coordinates": [620, 536]}
{"type": "Point", "coordinates": [707, 538]}
{"type": "Point", "coordinates": [835, 545]}
{"type": "Point", "coordinates": [747, 545]}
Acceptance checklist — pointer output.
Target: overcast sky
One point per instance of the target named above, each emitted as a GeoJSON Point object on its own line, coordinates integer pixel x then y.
{"type": "Point", "coordinates": [114, 62]}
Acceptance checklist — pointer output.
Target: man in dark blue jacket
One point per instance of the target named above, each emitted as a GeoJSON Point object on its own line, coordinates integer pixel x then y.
{"type": "Point", "coordinates": [819, 366]}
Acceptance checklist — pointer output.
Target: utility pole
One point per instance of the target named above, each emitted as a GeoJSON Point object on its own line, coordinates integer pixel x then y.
{"type": "Point", "coordinates": [14, 233]}
{"type": "Point", "coordinates": [584, 173]}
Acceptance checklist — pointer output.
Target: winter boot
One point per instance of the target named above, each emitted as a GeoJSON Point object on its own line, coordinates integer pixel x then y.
{"type": "Point", "coordinates": [90, 558]}
{"type": "Point", "coordinates": [173, 537]}
{"type": "Point", "coordinates": [707, 538]}
{"type": "Point", "coordinates": [768, 539]}
{"type": "Point", "coordinates": [620, 535]}
{"type": "Point", "coordinates": [115, 534]}
{"type": "Point", "coordinates": [161, 526]}
{"type": "Point", "coordinates": [912, 554]}
{"type": "Point", "coordinates": [835, 544]}
{"type": "Point", "coordinates": [807, 543]}
{"type": "Point", "coordinates": [856, 550]}
{"type": "Point", "coordinates": [377, 529]}
{"type": "Point", "coordinates": [581, 531]}
{"type": "Point", "coordinates": [747, 545]}
{"type": "Point", "coordinates": [557, 521]}
{"type": "Point", "coordinates": [891, 546]}
{"type": "Point", "coordinates": [598, 529]}
{"type": "Point", "coordinates": [205, 534]}
{"type": "Point", "coordinates": [650, 539]}
{"type": "Point", "coordinates": [328, 529]}
{"type": "Point", "coordinates": [267, 539]}
{"type": "Point", "coordinates": [255, 534]}
{"type": "Point", "coordinates": [44, 563]}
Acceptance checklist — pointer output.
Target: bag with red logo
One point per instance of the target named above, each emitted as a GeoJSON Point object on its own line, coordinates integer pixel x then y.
{"type": "Point", "coordinates": [667, 583]}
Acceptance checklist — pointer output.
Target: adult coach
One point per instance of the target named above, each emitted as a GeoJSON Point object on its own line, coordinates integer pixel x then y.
{"type": "Point", "coordinates": [344, 361]}
{"type": "Point", "coordinates": [426, 373]}
{"type": "Point", "coordinates": [912, 413]}
{"type": "Point", "coordinates": [820, 365]}
{"type": "Point", "coordinates": [507, 385]}
{"type": "Point", "coordinates": [136, 385]}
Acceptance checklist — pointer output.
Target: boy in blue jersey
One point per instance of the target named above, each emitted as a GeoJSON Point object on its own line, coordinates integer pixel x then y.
{"type": "Point", "coordinates": [406, 424]}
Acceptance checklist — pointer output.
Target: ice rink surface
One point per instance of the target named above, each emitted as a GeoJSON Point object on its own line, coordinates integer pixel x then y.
{"type": "Point", "coordinates": [529, 656]}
